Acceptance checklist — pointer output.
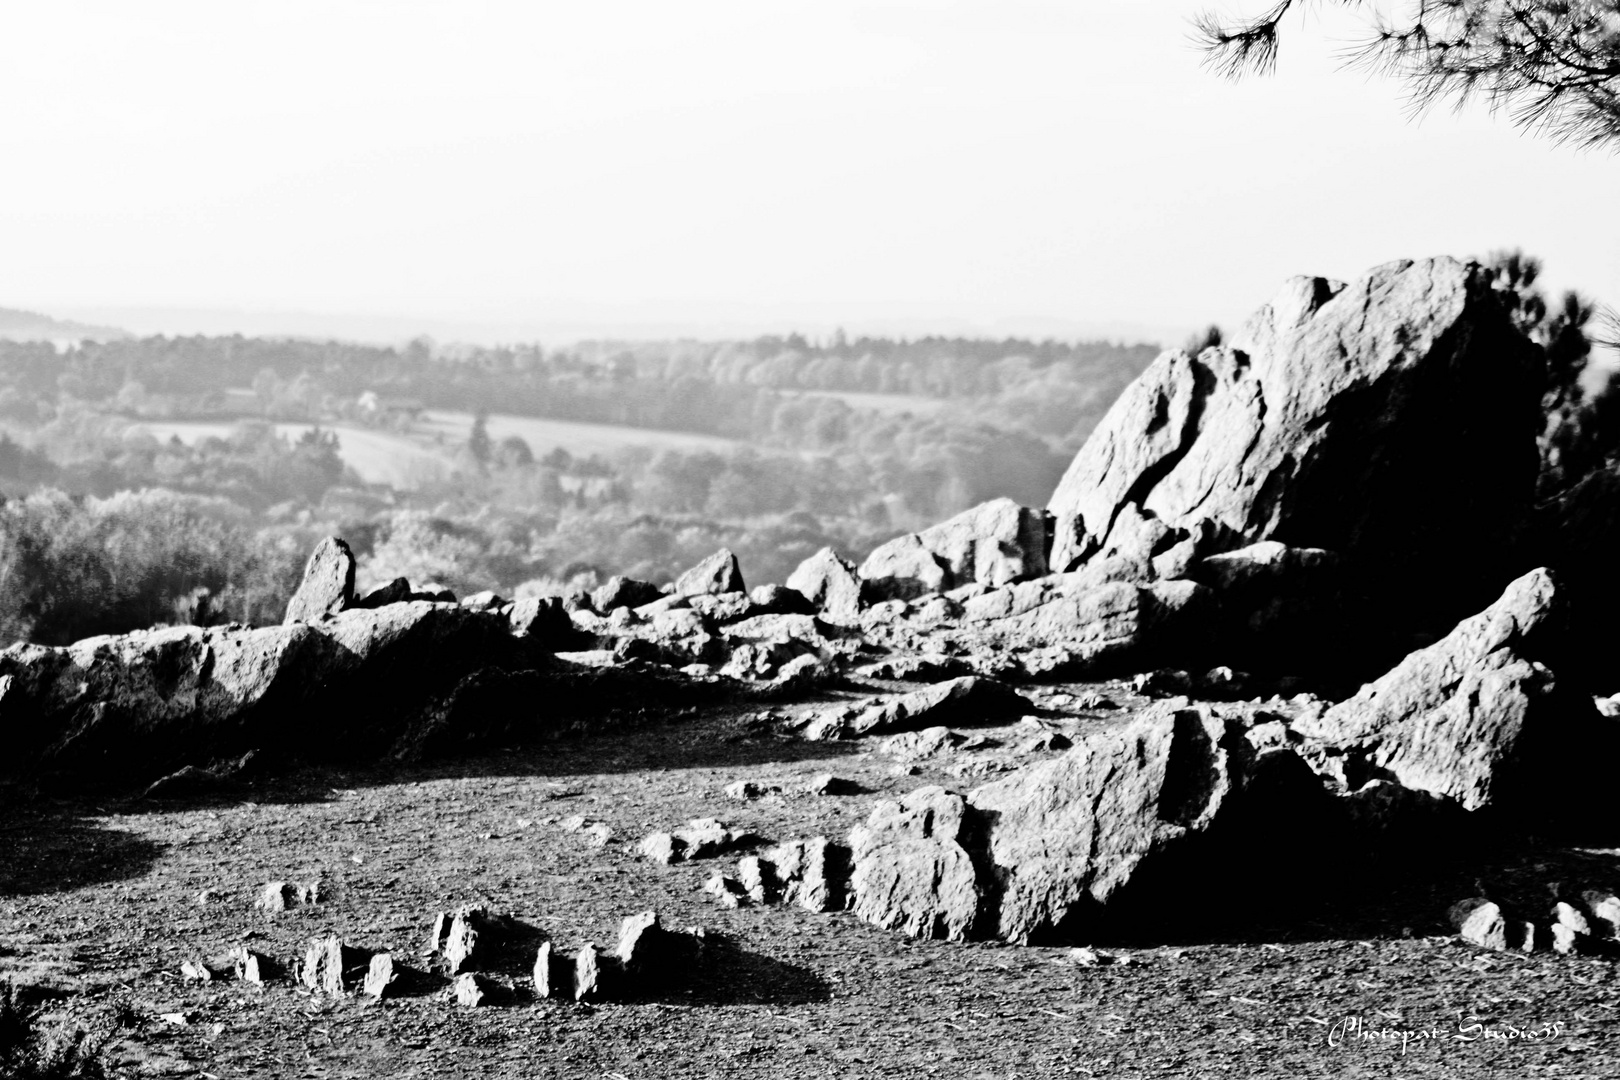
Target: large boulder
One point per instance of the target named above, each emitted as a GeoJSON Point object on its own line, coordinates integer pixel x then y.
{"type": "Point", "coordinates": [134, 705]}
{"type": "Point", "coordinates": [831, 583]}
{"type": "Point", "coordinates": [1392, 420]}
{"type": "Point", "coordinates": [993, 544]}
{"type": "Point", "coordinates": [1126, 828]}
{"type": "Point", "coordinates": [1478, 717]}
{"type": "Point", "coordinates": [327, 586]}
{"type": "Point", "coordinates": [719, 573]}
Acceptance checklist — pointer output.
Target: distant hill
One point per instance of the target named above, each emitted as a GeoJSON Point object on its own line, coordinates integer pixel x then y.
{"type": "Point", "coordinates": [18, 325]}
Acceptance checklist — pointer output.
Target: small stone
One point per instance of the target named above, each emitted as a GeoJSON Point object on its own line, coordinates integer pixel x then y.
{"type": "Point", "coordinates": [745, 790]}
{"type": "Point", "coordinates": [643, 943]}
{"type": "Point", "coordinates": [662, 847]}
{"type": "Point", "coordinates": [249, 966]}
{"type": "Point", "coordinates": [1085, 956]}
{"type": "Point", "coordinates": [753, 877]}
{"type": "Point", "coordinates": [312, 893]}
{"type": "Point", "coordinates": [572, 823]}
{"type": "Point", "coordinates": [828, 784]}
{"type": "Point", "coordinates": [196, 971]}
{"type": "Point", "coordinates": [1529, 937]}
{"type": "Point", "coordinates": [276, 896]}
{"type": "Point", "coordinates": [727, 890]}
{"type": "Point", "coordinates": [1041, 744]}
{"type": "Point", "coordinates": [599, 834]}
{"type": "Point", "coordinates": [1571, 933]}
{"type": "Point", "coordinates": [1605, 911]}
{"type": "Point", "coordinates": [380, 976]}
{"type": "Point", "coordinates": [593, 974]}
{"type": "Point", "coordinates": [472, 990]}
{"type": "Point", "coordinates": [461, 945]}
{"type": "Point", "coordinates": [553, 975]}
{"type": "Point", "coordinates": [1480, 922]}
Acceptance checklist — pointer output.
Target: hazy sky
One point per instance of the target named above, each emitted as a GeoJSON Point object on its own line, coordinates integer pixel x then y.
{"type": "Point", "coordinates": [732, 167]}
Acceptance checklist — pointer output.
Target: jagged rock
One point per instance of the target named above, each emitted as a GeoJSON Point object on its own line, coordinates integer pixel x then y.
{"type": "Point", "coordinates": [1480, 922]}
{"type": "Point", "coordinates": [780, 600]}
{"type": "Point", "coordinates": [397, 591]}
{"type": "Point", "coordinates": [380, 976]}
{"type": "Point", "coordinates": [488, 600]}
{"type": "Point", "coordinates": [468, 937]}
{"type": "Point", "coordinates": [911, 867]}
{"type": "Point", "coordinates": [718, 573]}
{"type": "Point", "coordinates": [251, 966]}
{"type": "Point", "coordinates": [755, 878]}
{"type": "Point", "coordinates": [727, 890]}
{"type": "Point", "coordinates": [699, 838]}
{"type": "Point", "coordinates": [828, 784]}
{"type": "Point", "coordinates": [594, 974]}
{"type": "Point", "coordinates": [328, 584]}
{"type": "Point", "coordinates": [746, 790]}
{"type": "Point", "coordinates": [916, 745]}
{"type": "Point", "coordinates": [624, 592]}
{"type": "Point", "coordinates": [968, 700]}
{"type": "Point", "coordinates": [647, 952]}
{"type": "Point", "coordinates": [1392, 420]}
{"type": "Point", "coordinates": [329, 966]}
{"type": "Point", "coordinates": [1474, 717]}
{"type": "Point", "coordinates": [1571, 933]}
{"type": "Point", "coordinates": [1113, 624]}
{"type": "Point", "coordinates": [923, 667]}
{"type": "Point", "coordinates": [722, 608]}
{"type": "Point", "coordinates": [542, 618]}
{"type": "Point", "coordinates": [1132, 817]}
{"type": "Point", "coordinates": [811, 873]}
{"type": "Point", "coordinates": [831, 584]}
{"type": "Point", "coordinates": [992, 544]}
{"type": "Point", "coordinates": [902, 569]}
{"type": "Point", "coordinates": [553, 973]}
{"type": "Point", "coordinates": [433, 593]}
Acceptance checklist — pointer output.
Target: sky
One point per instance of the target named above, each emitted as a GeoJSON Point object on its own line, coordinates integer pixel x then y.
{"type": "Point", "coordinates": [495, 171]}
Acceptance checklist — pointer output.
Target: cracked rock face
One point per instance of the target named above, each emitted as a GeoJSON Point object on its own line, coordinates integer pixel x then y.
{"type": "Point", "coordinates": [1475, 717]}
{"type": "Point", "coordinates": [1394, 418]}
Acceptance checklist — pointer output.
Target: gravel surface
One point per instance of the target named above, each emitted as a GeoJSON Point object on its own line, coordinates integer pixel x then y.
{"type": "Point", "coordinates": [103, 899]}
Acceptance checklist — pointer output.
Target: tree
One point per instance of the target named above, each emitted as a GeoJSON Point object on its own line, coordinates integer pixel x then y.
{"type": "Point", "coordinates": [479, 444]}
{"type": "Point", "coordinates": [1552, 65]}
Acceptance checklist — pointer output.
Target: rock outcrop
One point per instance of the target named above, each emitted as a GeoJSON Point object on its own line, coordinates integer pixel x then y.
{"type": "Point", "coordinates": [719, 573]}
{"type": "Point", "coordinates": [328, 583]}
{"type": "Point", "coordinates": [1476, 717]}
{"type": "Point", "coordinates": [1392, 420]}
{"type": "Point", "coordinates": [993, 544]}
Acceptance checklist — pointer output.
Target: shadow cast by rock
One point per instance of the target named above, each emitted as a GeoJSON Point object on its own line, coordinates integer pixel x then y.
{"type": "Point", "coordinates": [43, 853]}
{"type": "Point", "coordinates": [724, 973]}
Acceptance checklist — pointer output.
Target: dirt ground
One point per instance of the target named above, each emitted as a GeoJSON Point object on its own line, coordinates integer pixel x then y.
{"type": "Point", "coordinates": [103, 898]}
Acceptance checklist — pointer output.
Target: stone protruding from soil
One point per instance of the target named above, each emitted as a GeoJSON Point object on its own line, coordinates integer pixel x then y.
{"type": "Point", "coordinates": [327, 966]}
{"type": "Point", "coordinates": [328, 584]}
{"type": "Point", "coordinates": [968, 700]}
{"type": "Point", "coordinates": [380, 976]}
{"type": "Point", "coordinates": [1331, 418]}
{"type": "Point", "coordinates": [912, 871]}
{"type": "Point", "coordinates": [467, 937]}
{"type": "Point", "coordinates": [830, 582]}
{"type": "Point", "coordinates": [1480, 922]}
{"type": "Point", "coordinates": [473, 990]}
{"type": "Point", "coordinates": [1475, 717]}
{"type": "Point", "coordinates": [276, 896]}
{"type": "Point", "coordinates": [814, 874]}
{"type": "Point", "coordinates": [993, 544]}
{"type": "Point", "coordinates": [553, 974]}
{"type": "Point", "coordinates": [594, 974]}
{"type": "Point", "coordinates": [727, 891]}
{"type": "Point", "coordinates": [700, 838]}
{"type": "Point", "coordinates": [719, 573]}
{"type": "Point", "coordinates": [251, 966]}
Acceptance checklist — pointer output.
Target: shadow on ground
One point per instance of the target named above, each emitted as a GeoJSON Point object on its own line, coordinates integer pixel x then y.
{"type": "Point", "coordinates": [54, 849]}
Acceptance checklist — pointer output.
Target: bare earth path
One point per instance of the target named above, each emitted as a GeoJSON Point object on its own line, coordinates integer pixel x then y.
{"type": "Point", "coordinates": [99, 906]}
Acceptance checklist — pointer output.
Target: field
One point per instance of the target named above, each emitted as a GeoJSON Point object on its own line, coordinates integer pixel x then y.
{"type": "Point", "coordinates": [426, 453]}
{"type": "Point", "coordinates": [102, 899]}
{"type": "Point", "coordinates": [578, 439]}
{"type": "Point", "coordinates": [891, 404]}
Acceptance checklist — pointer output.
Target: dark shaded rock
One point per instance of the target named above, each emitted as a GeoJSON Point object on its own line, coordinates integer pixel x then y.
{"type": "Point", "coordinates": [780, 600]}
{"type": "Point", "coordinates": [433, 593]}
{"type": "Point", "coordinates": [328, 584]}
{"type": "Point", "coordinates": [813, 874]}
{"type": "Point", "coordinates": [1393, 420]}
{"type": "Point", "coordinates": [727, 890]}
{"type": "Point", "coordinates": [1475, 717]}
{"type": "Point", "coordinates": [397, 591]}
{"type": "Point", "coordinates": [621, 592]}
{"type": "Point", "coordinates": [718, 573]}
{"type": "Point", "coordinates": [968, 700]}
{"type": "Point", "coordinates": [831, 584]}
{"type": "Point", "coordinates": [597, 976]}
